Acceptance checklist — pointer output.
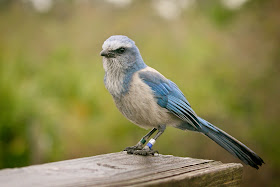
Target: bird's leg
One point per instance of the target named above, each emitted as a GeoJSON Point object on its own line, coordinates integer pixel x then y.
{"type": "Point", "coordinates": [141, 143]}
{"type": "Point", "coordinates": [147, 150]}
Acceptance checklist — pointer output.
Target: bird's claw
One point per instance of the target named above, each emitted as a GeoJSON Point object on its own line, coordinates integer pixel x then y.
{"type": "Point", "coordinates": [132, 149]}
{"type": "Point", "coordinates": [137, 150]}
{"type": "Point", "coordinates": [145, 152]}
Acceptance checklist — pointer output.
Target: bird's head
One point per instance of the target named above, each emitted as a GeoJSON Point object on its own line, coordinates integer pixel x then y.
{"type": "Point", "coordinates": [120, 52]}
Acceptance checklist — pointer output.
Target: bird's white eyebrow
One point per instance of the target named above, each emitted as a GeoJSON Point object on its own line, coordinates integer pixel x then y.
{"type": "Point", "coordinates": [113, 45]}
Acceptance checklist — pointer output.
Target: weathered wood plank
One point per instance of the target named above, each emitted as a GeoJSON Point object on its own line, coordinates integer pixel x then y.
{"type": "Point", "coordinates": [121, 169]}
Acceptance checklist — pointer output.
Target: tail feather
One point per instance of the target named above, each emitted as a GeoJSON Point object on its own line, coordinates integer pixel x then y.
{"type": "Point", "coordinates": [231, 144]}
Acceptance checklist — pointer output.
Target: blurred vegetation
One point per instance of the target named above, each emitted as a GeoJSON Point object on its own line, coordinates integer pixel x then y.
{"type": "Point", "coordinates": [54, 106]}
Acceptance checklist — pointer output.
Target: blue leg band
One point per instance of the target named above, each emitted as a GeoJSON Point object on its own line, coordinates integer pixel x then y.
{"type": "Point", "coordinates": [149, 145]}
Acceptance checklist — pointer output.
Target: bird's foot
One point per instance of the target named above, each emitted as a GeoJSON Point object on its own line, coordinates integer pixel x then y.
{"type": "Point", "coordinates": [132, 149]}
{"type": "Point", "coordinates": [145, 152]}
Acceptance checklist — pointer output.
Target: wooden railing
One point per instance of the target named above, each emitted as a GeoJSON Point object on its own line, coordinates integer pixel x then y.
{"type": "Point", "coordinates": [121, 169]}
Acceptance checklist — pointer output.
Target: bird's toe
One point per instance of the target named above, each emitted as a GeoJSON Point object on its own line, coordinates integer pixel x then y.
{"type": "Point", "coordinates": [132, 149]}
{"type": "Point", "coordinates": [144, 152]}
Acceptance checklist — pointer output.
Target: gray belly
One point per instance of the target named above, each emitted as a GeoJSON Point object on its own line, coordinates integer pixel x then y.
{"type": "Point", "coordinates": [141, 108]}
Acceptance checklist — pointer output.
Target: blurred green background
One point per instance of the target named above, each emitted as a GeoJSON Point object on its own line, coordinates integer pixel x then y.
{"type": "Point", "coordinates": [223, 54]}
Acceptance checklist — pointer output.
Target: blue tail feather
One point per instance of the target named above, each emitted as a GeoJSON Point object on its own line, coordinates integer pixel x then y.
{"type": "Point", "coordinates": [229, 143]}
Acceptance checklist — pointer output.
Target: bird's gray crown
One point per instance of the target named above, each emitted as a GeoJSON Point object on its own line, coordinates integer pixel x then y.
{"type": "Point", "coordinates": [117, 41]}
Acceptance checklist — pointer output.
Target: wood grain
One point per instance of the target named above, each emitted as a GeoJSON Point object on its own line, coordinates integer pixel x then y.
{"type": "Point", "coordinates": [121, 169]}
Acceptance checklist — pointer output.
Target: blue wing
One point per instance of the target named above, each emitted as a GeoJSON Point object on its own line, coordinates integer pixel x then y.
{"type": "Point", "coordinates": [169, 96]}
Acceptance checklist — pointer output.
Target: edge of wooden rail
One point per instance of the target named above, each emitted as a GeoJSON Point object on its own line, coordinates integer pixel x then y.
{"type": "Point", "coordinates": [121, 169]}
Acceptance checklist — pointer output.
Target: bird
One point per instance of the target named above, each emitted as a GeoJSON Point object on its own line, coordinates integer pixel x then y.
{"type": "Point", "coordinates": [151, 101]}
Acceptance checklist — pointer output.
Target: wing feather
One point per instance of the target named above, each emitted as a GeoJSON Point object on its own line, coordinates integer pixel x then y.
{"type": "Point", "coordinates": [169, 96]}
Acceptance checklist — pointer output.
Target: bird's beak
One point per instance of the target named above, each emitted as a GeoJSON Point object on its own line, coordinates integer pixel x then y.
{"type": "Point", "coordinates": [107, 54]}
{"type": "Point", "coordinates": [104, 53]}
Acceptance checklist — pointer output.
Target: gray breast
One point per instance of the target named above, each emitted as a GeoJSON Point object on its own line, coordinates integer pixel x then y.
{"type": "Point", "coordinates": [141, 108]}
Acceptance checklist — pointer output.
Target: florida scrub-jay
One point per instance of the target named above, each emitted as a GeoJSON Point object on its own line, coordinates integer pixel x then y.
{"type": "Point", "coordinates": [149, 100]}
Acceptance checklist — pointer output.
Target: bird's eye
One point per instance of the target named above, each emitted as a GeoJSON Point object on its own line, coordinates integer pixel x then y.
{"type": "Point", "coordinates": [120, 50]}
